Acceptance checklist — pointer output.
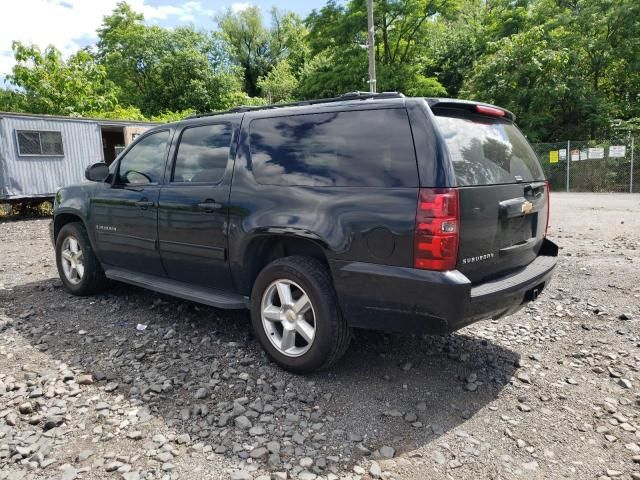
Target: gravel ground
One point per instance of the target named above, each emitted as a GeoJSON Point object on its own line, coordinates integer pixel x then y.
{"type": "Point", "coordinates": [551, 392]}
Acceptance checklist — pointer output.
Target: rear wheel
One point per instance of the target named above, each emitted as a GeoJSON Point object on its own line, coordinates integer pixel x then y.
{"type": "Point", "coordinates": [78, 267]}
{"type": "Point", "coordinates": [295, 315]}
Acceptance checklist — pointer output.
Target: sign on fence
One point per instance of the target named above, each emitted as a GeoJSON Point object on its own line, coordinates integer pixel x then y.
{"type": "Point", "coordinates": [610, 165]}
{"type": "Point", "coordinates": [596, 153]}
{"type": "Point", "coordinates": [617, 151]}
{"type": "Point", "coordinates": [575, 155]}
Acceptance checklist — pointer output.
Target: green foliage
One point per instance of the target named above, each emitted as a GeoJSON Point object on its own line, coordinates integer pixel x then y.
{"type": "Point", "coordinates": [158, 69]}
{"type": "Point", "coordinates": [329, 73]}
{"type": "Point", "coordinates": [256, 48]}
{"type": "Point", "coordinates": [566, 68]}
{"type": "Point", "coordinates": [523, 74]}
{"type": "Point", "coordinates": [53, 85]}
{"type": "Point", "coordinates": [120, 113]}
{"type": "Point", "coordinates": [338, 40]}
{"type": "Point", "coordinates": [453, 47]}
{"type": "Point", "coordinates": [26, 209]}
{"type": "Point", "coordinates": [247, 40]}
{"type": "Point", "coordinates": [237, 98]}
{"type": "Point", "coordinates": [279, 84]}
{"type": "Point", "coordinates": [624, 128]}
{"type": "Point", "coordinates": [169, 116]}
{"type": "Point", "coordinates": [12, 101]}
{"type": "Point", "coordinates": [289, 39]}
{"type": "Point", "coordinates": [134, 113]}
{"type": "Point", "coordinates": [409, 79]}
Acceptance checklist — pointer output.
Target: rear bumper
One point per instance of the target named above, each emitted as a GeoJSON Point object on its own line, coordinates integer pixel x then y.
{"type": "Point", "coordinates": [410, 300]}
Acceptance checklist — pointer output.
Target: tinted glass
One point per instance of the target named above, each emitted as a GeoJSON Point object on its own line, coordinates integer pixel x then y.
{"type": "Point", "coordinates": [29, 143]}
{"type": "Point", "coordinates": [372, 148]}
{"type": "Point", "coordinates": [144, 163]}
{"type": "Point", "coordinates": [51, 143]}
{"type": "Point", "coordinates": [203, 154]}
{"type": "Point", "coordinates": [486, 150]}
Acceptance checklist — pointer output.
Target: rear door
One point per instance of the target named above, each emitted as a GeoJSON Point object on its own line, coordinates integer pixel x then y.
{"type": "Point", "coordinates": [193, 207]}
{"type": "Point", "coordinates": [503, 197]}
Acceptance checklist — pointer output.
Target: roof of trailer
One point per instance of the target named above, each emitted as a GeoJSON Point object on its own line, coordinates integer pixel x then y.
{"type": "Point", "coordinates": [100, 121]}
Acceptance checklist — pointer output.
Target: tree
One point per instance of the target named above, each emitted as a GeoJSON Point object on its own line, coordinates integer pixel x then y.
{"type": "Point", "coordinates": [12, 101]}
{"type": "Point", "coordinates": [279, 84]}
{"type": "Point", "coordinates": [565, 68]}
{"type": "Point", "coordinates": [338, 36]}
{"type": "Point", "coordinates": [53, 85]}
{"type": "Point", "coordinates": [128, 49]}
{"type": "Point", "coordinates": [609, 45]}
{"type": "Point", "coordinates": [524, 73]}
{"type": "Point", "coordinates": [257, 48]}
{"type": "Point", "coordinates": [247, 39]}
{"type": "Point", "coordinates": [158, 69]}
{"type": "Point", "coordinates": [288, 40]}
{"type": "Point", "coordinates": [453, 44]}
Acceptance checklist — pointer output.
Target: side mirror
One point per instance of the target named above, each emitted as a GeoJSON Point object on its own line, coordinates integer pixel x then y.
{"type": "Point", "coordinates": [98, 172]}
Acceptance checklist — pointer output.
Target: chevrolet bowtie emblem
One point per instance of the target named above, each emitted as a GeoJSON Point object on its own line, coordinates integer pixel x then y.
{"type": "Point", "coordinates": [526, 207]}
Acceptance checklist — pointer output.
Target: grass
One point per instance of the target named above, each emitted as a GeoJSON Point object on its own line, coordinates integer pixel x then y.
{"type": "Point", "coordinates": [27, 209]}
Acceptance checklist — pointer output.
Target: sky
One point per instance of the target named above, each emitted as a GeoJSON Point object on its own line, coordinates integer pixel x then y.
{"type": "Point", "coordinates": [72, 24]}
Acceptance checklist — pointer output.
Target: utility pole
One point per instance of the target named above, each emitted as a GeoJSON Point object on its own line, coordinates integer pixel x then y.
{"type": "Point", "coordinates": [568, 162]}
{"type": "Point", "coordinates": [631, 176]}
{"type": "Point", "coordinates": [372, 39]}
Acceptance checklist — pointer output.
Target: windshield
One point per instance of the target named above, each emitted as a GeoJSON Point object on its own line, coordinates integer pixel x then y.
{"type": "Point", "coordinates": [486, 150]}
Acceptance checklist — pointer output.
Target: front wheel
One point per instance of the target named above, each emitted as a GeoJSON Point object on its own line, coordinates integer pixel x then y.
{"type": "Point", "coordinates": [78, 267]}
{"type": "Point", "coordinates": [295, 315]}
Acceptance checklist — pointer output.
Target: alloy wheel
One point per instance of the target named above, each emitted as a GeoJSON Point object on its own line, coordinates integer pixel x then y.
{"type": "Point", "coordinates": [72, 260]}
{"type": "Point", "coordinates": [288, 318]}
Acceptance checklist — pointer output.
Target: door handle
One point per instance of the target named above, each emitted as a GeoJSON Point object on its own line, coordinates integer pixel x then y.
{"type": "Point", "coordinates": [209, 206]}
{"type": "Point", "coordinates": [144, 204]}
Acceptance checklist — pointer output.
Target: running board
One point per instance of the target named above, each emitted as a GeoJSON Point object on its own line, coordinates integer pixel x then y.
{"type": "Point", "coordinates": [183, 290]}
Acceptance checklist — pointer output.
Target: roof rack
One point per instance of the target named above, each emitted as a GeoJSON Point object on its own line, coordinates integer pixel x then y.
{"type": "Point", "coordinates": [342, 98]}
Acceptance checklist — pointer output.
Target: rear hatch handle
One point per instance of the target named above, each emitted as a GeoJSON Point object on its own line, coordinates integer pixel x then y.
{"type": "Point", "coordinates": [534, 190]}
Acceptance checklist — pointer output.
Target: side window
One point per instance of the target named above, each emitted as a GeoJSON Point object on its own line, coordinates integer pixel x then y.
{"type": "Point", "coordinates": [202, 154]}
{"type": "Point", "coordinates": [367, 148]}
{"type": "Point", "coordinates": [144, 163]}
{"type": "Point", "coordinates": [37, 143]}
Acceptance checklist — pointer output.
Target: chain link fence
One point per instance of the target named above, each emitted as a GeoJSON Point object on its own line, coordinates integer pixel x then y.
{"type": "Point", "coordinates": [591, 166]}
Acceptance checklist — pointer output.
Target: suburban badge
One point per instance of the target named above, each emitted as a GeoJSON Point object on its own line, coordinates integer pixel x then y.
{"type": "Point", "coordinates": [478, 258]}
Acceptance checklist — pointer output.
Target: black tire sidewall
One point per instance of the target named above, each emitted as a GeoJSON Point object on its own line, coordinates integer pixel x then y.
{"type": "Point", "coordinates": [324, 306]}
{"type": "Point", "coordinates": [92, 273]}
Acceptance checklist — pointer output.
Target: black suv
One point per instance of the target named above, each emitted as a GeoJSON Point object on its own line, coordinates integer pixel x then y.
{"type": "Point", "coordinates": [374, 211]}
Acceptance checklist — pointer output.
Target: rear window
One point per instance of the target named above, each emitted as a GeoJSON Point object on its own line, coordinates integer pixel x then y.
{"type": "Point", "coordinates": [486, 150]}
{"type": "Point", "coordinates": [369, 148]}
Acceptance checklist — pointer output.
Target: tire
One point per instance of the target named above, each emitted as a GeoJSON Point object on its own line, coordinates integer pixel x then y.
{"type": "Point", "coordinates": [92, 279]}
{"type": "Point", "coordinates": [332, 334]}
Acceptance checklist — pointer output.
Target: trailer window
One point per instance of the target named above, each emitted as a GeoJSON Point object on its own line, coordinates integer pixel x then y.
{"type": "Point", "coordinates": [39, 143]}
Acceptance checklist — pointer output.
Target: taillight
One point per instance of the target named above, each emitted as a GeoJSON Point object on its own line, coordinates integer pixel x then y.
{"type": "Point", "coordinates": [437, 229]}
{"type": "Point", "coordinates": [546, 227]}
{"type": "Point", "coordinates": [492, 111]}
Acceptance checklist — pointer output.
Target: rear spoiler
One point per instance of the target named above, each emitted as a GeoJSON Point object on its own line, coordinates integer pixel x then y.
{"type": "Point", "coordinates": [476, 107]}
